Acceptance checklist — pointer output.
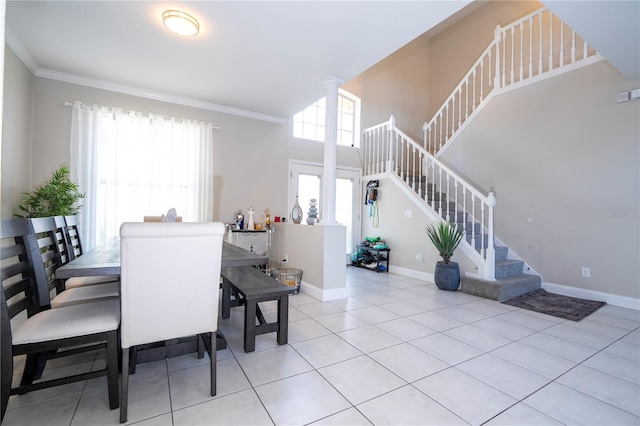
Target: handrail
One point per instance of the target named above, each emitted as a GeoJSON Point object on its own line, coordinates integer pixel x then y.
{"type": "Point", "coordinates": [523, 50]}
{"type": "Point", "coordinates": [440, 189]}
{"type": "Point", "coordinates": [537, 41]}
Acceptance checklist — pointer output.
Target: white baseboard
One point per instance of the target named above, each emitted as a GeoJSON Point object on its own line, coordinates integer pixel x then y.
{"type": "Point", "coordinates": [411, 273]}
{"type": "Point", "coordinates": [611, 299]}
{"type": "Point", "coordinates": [323, 295]}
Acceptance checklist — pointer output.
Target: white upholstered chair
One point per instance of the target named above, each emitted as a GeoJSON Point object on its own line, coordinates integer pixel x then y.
{"type": "Point", "coordinates": [170, 275]}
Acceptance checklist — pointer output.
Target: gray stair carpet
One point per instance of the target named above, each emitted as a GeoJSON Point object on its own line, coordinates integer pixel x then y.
{"type": "Point", "coordinates": [502, 288]}
{"type": "Point", "coordinates": [510, 280]}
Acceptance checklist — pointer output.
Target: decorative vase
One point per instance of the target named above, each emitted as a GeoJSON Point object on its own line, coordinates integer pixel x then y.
{"type": "Point", "coordinates": [251, 225]}
{"type": "Point", "coordinates": [447, 275]}
{"type": "Point", "coordinates": [313, 212]}
{"type": "Point", "coordinates": [296, 213]}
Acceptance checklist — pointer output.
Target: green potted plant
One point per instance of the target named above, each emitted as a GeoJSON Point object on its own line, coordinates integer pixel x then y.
{"type": "Point", "coordinates": [58, 196]}
{"type": "Point", "coordinates": [446, 237]}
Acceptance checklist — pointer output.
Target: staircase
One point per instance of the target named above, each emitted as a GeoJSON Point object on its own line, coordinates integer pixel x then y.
{"type": "Point", "coordinates": [509, 278]}
{"type": "Point", "coordinates": [535, 47]}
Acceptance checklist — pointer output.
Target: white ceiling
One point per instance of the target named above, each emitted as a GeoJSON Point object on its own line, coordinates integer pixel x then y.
{"type": "Point", "coordinates": [263, 59]}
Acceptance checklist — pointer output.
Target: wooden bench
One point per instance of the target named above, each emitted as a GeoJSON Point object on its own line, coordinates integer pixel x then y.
{"type": "Point", "coordinates": [249, 286]}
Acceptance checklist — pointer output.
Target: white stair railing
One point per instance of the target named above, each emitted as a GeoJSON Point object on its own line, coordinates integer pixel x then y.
{"type": "Point", "coordinates": [389, 150]}
{"type": "Point", "coordinates": [526, 49]}
{"type": "Point", "coordinates": [536, 46]}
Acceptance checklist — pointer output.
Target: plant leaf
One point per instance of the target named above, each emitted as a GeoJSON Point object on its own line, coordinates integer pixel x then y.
{"type": "Point", "coordinates": [445, 237]}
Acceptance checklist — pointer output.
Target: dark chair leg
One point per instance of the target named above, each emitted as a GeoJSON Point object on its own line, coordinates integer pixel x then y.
{"type": "Point", "coordinates": [30, 368]}
{"type": "Point", "coordinates": [41, 363]}
{"type": "Point", "coordinates": [124, 386]}
{"type": "Point", "coordinates": [6, 372]}
{"type": "Point", "coordinates": [112, 368]}
{"type": "Point", "coordinates": [133, 360]}
{"type": "Point", "coordinates": [119, 355]}
{"type": "Point", "coordinates": [213, 359]}
{"type": "Point", "coordinates": [201, 345]}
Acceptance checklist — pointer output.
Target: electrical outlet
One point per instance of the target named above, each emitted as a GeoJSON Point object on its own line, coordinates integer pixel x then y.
{"type": "Point", "coordinates": [408, 213]}
{"type": "Point", "coordinates": [586, 272]}
{"type": "Point", "coordinates": [286, 258]}
{"type": "Point", "coordinates": [419, 257]}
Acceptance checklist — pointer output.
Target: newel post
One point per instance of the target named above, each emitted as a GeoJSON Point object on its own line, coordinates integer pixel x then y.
{"type": "Point", "coordinates": [391, 127]}
{"type": "Point", "coordinates": [496, 40]}
{"type": "Point", "coordinates": [490, 259]}
{"type": "Point", "coordinates": [425, 140]}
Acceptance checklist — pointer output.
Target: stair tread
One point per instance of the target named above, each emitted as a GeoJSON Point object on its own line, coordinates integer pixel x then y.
{"type": "Point", "coordinates": [505, 280]}
{"type": "Point", "coordinates": [502, 288]}
{"type": "Point", "coordinates": [508, 262]}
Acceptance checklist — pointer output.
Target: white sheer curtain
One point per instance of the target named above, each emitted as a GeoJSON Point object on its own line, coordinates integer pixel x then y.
{"type": "Point", "coordinates": [131, 164]}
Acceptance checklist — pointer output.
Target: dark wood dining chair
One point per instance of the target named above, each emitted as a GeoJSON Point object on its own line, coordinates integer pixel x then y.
{"type": "Point", "coordinates": [156, 259]}
{"type": "Point", "coordinates": [39, 330]}
{"type": "Point", "coordinates": [55, 253]}
{"type": "Point", "coordinates": [75, 250]}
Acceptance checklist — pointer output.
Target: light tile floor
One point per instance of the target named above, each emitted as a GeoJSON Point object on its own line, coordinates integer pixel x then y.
{"type": "Point", "coordinates": [397, 351]}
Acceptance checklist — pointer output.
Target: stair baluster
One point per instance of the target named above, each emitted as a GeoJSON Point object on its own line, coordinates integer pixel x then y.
{"type": "Point", "coordinates": [388, 150]}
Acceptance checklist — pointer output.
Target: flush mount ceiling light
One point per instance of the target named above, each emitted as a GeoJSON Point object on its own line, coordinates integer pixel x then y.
{"type": "Point", "coordinates": [180, 23]}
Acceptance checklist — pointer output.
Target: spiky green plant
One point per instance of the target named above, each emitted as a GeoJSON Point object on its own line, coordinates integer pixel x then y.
{"type": "Point", "coordinates": [445, 237]}
{"type": "Point", "coordinates": [58, 196]}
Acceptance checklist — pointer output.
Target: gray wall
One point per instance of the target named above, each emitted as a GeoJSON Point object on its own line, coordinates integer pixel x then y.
{"type": "Point", "coordinates": [406, 236]}
{"type": "Point", "coordinates": [561, 155]}
{"type": "Point", "coordinates": [16, 133]}
{"type": "Point", "coordinates": [396, 85]}
{"type": "Point", "coordinates": [455, 50]}
{"type": "Point", "coordinates": [563, 158]}
{"type": "Point", "coordinates": [250, 156]}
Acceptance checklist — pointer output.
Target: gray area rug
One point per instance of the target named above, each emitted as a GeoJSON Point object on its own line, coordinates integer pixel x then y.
{"type": "Point", "coordinates": [569, 308]}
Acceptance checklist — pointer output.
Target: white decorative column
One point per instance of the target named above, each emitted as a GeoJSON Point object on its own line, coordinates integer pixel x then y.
{"type": "Point", "coordinates": [323, 263]}
{"type": "Point", "coordinates": [330, 151]}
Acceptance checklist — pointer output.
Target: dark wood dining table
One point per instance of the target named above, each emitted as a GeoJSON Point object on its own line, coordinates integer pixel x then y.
{"type": "Point", "coordinates": [105, 260]}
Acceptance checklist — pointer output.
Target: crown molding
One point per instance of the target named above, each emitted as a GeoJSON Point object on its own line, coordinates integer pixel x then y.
{"type": "Point", "coordinates": [37, 71]}
{"type": "Point", "coordinates": [20, 51]}
{"type": "Point", "coordinates": [158, 96]}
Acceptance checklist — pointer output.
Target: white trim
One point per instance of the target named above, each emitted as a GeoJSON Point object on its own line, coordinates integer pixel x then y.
{"type": "Point", "coordinates": [513, 86]}
{"type": "Point", "coordinates": [583, 293]}
{"type": "Point", "coordinates": [20, 51]}
{"type": "Point", "coordinates": [465, 247]}
{"type": "Point", "coordinates": [35, 69]}
{"type": "Point", "coordinates": [411, 273]}
{"type": "Point", "coordinates": [355, 142]}
{"type": "Point", "coordinates": [351, 173]}
{"type": "Point", "coordinates": [127, 90]}
{"type": "Point", "coordinates": [323, 295]}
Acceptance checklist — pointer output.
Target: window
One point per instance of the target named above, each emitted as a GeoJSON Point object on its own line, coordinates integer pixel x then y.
{"type": "Point", "coordinates": [131, 165]}
{"type": "Point", "coordinates": [306, 183]}
{"type": "Point", "coordinates": [310, 122]}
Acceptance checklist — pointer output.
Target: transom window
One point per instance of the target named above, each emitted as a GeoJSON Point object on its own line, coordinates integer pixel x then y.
{"type": "Point", "coordinates": [310, 122]}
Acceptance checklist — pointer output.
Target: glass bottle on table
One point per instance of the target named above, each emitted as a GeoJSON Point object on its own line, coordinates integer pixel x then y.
{"type": "Point", "coordinates": [296, 213]}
